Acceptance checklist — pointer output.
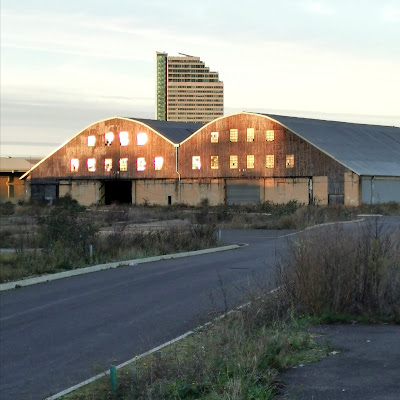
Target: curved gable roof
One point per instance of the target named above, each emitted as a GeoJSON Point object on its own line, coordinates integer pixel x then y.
{"type": "Point", "coordinates": [174, 131]}
{"type": "Point", "coordinates": [364, 149]}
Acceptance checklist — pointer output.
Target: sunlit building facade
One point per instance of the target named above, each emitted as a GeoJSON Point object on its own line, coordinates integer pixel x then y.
{"type": "Point", "coordinates": [187, 91]}
{"type": "Point", "coordinates": [244, 158]}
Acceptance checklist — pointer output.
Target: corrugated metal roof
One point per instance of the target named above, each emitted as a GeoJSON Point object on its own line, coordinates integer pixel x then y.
{"type": "Point", "coordinates": [364, 149]}
{"type": "Point", "coordinates": [174, 131]}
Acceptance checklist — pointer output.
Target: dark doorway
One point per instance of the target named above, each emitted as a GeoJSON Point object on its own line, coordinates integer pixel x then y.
{"type": "Point", "coordinates": [118, 192]}
{"type": "Point", "coordinates": [169, 200]}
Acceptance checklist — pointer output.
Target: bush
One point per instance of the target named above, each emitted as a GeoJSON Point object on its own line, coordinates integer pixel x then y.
{"type": "Point", "coordinates": [344, 271]}
{"type": "Point", "coordinates": [7, 208]}
{"type": "Point", "coordinates": [66, 235]}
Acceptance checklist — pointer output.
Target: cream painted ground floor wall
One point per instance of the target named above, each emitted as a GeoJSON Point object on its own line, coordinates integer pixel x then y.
{"type": "Point", "coordinates": [217, 191]}
{"type": "Point", "coordinates": [356, 190]}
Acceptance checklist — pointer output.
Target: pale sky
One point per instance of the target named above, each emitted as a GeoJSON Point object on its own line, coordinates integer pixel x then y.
{"type": "Point", "coordinates": [68, 64]}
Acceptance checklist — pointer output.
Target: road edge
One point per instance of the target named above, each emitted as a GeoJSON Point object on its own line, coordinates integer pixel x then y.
{"type": "Point", "coordinates": [102, 267]}
{"type": "Point", "coordinates": [151, 351]}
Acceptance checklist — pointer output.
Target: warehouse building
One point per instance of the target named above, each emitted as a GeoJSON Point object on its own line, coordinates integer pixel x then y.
{"type": "Point", "coordinates": [242, 158]}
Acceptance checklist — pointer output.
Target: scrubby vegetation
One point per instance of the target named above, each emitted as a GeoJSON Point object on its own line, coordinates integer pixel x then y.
{"type": "Point", "coordinates": [49, 239]}
{"type": "Point", "coordinates": [334, 272]}
{"type": "Point", "coordinates": [59, 238]}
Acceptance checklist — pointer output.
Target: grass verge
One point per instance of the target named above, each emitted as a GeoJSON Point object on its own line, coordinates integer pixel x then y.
{"type": "Point", "coordinates": [237, 357]}
{"type": "Point", "coordinates": [117, 246]}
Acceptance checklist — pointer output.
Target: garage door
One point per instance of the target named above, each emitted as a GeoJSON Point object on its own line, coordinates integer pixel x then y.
{"type": "Point", "coordinates": [380, 190]}
{"type": "Point", "coordinates": [242, 192]}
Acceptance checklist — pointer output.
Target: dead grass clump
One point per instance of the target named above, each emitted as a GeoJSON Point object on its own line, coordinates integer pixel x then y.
{"type": "Point", "coordinates": [341, 271]}
{"type": "Point", "coordinates": [123, 244]}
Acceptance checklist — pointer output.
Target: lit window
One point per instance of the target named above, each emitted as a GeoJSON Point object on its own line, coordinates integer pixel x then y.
{"type": "Point", "coordinates": [250, 134]}
{"type": "Point", "coordinates": [108, 138]}
{"type": "Point", "coordinates": [91, 141]}
{"type": "Point", "coordinates": [270, 135]}
{"type": "Point", "coordinates": [123, 164]}
{"type": "Point", "coordinates": [289, 160]}
{"type": "Point", "coordinates": [141, 139]}
{"type": "Point", "coordinates": [158, 163]}
{"type": "Point", "coordinates": [74, 164]}
{"type": "Point", "coordinates": [108, 164]}
{"type": "Point", "coordinates": [140, 164]}
{"type": "Point", "coordinates": [123, 138]}
{"type": "Point", "coordinates": [214, 137]}
{"type": "Point", "coordinates": [233, 162]}
{"type": "Point", "coordinates": [214, 162]}
{"type": "Point", "coordinates": [196, 162]}
{"type": "Point", "coordinates": [250, 161]}
{"type": "Point", "coordinates": [233, 135]}
{"type": "Point", "coordinates": [91, 164]}
{"type": "Point", "coordinates": [270, 161]}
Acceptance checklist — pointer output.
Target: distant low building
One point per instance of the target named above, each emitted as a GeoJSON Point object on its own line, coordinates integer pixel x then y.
{"type": "Point", "coordinates": [11, 169]}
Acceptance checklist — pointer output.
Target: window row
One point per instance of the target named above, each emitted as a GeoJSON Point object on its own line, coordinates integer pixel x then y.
{"type": "Point", "coordinates": [233, 161]}
{"type": "Point", "coordinates": [141, 139]}
{"type": "Point", "coordinates": [234, 135]}
{"type": "Point", "coordinates": [123, 164]}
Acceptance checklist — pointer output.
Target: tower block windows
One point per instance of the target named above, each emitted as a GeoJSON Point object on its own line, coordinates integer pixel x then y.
{"type": "Point", "coordinates": [187, 91]}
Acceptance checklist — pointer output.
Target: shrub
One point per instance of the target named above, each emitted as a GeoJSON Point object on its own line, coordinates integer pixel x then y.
{"type": "Point", "coordinates": [66, 235]}
{"type": "Point", "coordinates": [7, 208]}
{"type": "Point", "coordinates": [343, 271]}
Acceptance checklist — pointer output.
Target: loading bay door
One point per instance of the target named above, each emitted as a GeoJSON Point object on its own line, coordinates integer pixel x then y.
{"type": "Point", "coordinates": [242, 192]}
{"type": "Point", "coordinates": [117, 192]}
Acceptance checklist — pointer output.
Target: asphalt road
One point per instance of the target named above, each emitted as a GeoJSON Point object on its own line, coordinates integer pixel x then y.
{"type": "Point", "coordinates": [366, 367]}
{"type": "Point", "coordinates": [57, 334]}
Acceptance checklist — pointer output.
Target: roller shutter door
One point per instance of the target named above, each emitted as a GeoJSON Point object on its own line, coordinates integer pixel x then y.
{"type": "Point", "coordinates": [380, 190]}
{"type": "Point", "coordinates": [242, 192]}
